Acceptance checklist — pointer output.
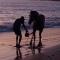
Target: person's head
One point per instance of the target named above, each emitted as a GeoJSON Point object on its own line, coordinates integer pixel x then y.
{"type": "Point", "coordinates": [22, 19]}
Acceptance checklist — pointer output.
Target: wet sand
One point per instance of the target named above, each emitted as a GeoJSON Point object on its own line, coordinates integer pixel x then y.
{"type": "Point", "coordinates": [52, 53]}
{"type": "Point", "coordinates": [49, 51]}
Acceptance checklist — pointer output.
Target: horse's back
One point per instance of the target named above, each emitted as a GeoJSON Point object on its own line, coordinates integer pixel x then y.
{"type": "Point", "coordinates": [39, 22]}
{"type": "Point", "coordinates": [42, 20]}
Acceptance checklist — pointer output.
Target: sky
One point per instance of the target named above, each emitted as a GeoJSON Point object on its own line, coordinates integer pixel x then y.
{"type": "Point", "coordinates": [25, 0]}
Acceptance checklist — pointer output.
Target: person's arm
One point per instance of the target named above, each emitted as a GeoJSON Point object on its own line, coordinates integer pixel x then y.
{"type": "Point", "coordinates": [27, 33]}
{"type": "Point", "coordinates": [25, 27]}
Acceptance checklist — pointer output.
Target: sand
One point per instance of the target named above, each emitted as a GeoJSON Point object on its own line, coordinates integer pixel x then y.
{"type": "Point", "coordinates": [49, 51]}
{"type": "Point", "coordinates": [52, 53]}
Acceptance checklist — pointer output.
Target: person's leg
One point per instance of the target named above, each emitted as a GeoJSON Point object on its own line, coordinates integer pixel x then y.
{"type": "Point", "coordinates": [20, 37]}
{"type": "Point", "coordinates": [16, 40]}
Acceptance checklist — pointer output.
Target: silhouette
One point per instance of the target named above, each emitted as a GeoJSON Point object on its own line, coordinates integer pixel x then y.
{"type": "Point", "coordinates": [18, 54]}
{"type": "Point", "coordinates": [38, 21]}
{"type": "Point", "coordinates": [17, 29]}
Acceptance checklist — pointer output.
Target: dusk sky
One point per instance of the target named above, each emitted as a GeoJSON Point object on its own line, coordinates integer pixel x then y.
{"type": "Point", "coordinates": [25, 0]}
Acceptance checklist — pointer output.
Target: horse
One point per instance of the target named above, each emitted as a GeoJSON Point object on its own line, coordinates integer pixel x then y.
{"type": "Point", "coordinates": [38, 21]}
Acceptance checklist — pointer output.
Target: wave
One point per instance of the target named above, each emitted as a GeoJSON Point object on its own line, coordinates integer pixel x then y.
{"type": "Point", "coordinates": [49, 23]}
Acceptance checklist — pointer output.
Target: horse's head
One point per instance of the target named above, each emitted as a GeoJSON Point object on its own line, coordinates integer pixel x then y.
{"type": "Point", "coordinates": [33, 15]}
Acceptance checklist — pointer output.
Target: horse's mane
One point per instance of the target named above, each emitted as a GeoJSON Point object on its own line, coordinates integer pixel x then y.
{"type": "Point", "coordinates": [34, 13]}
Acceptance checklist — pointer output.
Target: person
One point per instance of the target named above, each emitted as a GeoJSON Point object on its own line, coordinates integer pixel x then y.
{"type": "Point", "coordinates": [17, 29]}
{"type": "Point", "coordinates": [38, 21]}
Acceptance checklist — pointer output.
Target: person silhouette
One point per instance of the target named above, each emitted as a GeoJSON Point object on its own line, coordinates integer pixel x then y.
{"type": "Point", "coordinates": [17, 30]}
{"type": "Point", "coordinates": [38, 24]}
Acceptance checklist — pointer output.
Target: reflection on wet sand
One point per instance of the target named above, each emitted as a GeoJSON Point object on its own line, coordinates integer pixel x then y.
{"type": "Point", "coordinates": [19, 52]}
{"type": "Point", "coordinates": [34, 50]}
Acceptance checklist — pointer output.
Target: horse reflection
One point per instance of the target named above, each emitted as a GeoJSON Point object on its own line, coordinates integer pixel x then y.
{"type": "Point", "coordinates": [34, 50]}
{"type": "Point", "coordinates": [18, 54]}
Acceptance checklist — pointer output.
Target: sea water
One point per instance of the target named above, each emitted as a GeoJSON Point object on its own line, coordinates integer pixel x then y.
{"type": "Point", "coordinates": [10, 10]}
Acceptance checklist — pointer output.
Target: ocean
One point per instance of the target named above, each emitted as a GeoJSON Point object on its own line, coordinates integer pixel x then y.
{"type": "Point", "coordinates": [10, 10]}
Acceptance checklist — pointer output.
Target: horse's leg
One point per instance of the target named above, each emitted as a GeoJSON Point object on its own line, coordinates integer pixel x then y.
{"type": "Point", "coordinates": [34, 38]}
{"type": "Point", "coordinates": [31, 41]}
{"type": "Point", "coordinates": [40, 43]}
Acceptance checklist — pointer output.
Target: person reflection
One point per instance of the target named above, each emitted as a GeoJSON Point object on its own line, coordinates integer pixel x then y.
{"type": "Point", "coordinates": [18, 54]}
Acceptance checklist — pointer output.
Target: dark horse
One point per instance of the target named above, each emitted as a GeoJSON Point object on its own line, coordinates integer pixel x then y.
{"type": "Point", "coordinates": [38, 24]}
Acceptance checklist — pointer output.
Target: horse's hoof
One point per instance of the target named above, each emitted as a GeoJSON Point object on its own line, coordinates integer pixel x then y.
{"type": "Point", "coordinates": [39, 45]}
{"type": "Point", "coordinates": [31, 43]}
{"type": "Point", "coordinates": [18, 46]}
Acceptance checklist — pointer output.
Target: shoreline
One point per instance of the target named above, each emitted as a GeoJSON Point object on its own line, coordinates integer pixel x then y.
{"type": "Point", "coordinates": [50, 41]}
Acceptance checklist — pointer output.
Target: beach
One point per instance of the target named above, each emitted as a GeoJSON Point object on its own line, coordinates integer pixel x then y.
{"type": "Point", "coordinates": [10, 10]}
{"type": "Point", "coordinates": [49, 51]}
